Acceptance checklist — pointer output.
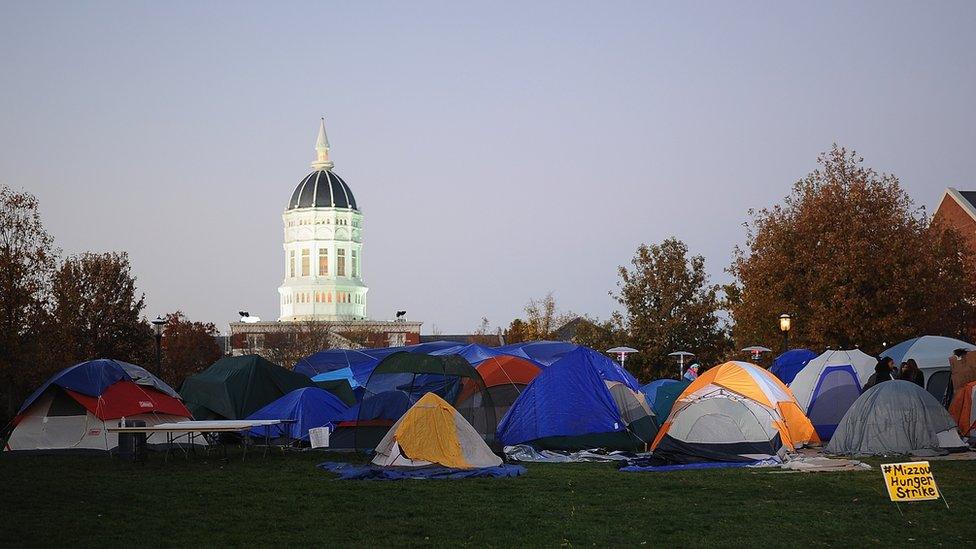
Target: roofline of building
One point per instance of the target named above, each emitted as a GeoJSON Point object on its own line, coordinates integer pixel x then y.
{"type": "Point", "coordinates": [961, 200]}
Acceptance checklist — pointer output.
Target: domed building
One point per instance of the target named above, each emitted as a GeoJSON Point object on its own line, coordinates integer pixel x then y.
{"type": "Point", "coordinates": [323, 246]}
{"type": "Point", "coordinates": [322, 298]}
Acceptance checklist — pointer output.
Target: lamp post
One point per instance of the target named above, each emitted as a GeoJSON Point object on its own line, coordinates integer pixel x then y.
{"type": "Point", "coordinates": [622, 353]}
{"type": "Point", "coordinates": [785, 323]}
{"type": "Point", "coordinates": [680, 355]}
{"type": "Point", "coordinates": [158, 324]}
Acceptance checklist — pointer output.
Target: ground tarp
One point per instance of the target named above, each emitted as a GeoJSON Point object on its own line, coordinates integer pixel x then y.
{"type": "Point", "coordinates": [348, 471]}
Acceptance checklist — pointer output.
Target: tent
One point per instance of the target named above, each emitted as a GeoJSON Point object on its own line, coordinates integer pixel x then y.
{"type": "Point", "coordinates": [895, 417]}
{"type": "Point", "coordinates": [932, 355]}
{"type": "Point", "coordinates": [827, 386]}
{"type": "Point", "coordinates": [73, 409]}
{"type": "Point", "coordinates": [650, 389]}
{"type": "Point", "coordinates": [541, 353]}
{"type": "Point", "coordinates": [414, 375]}
{"type": "Point", "coordinates": [433, 432]}
{"type": "Point", "coordinates": [309, 407]}
{"type": "Point", "coordinates": [581, 401]}
{"type": "Point", "coordinates": [733, 412]}
{"type": "Point", "coordinates": [475, 354]}
{"type": "Point", "coordinates": [361, 361]}
{"type": "Point", "coordinates": [505, 377]}
{"type": "Point", "coordinates": [667, 395]}
{"type": "Point", "coordinates": [963, 411]}
{"type": "Point", "coordinates": [236, 387]}
{"type": "Point", "coordinates": [788, 364]}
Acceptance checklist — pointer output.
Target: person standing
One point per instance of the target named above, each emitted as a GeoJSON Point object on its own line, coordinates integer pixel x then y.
{"type": "Point", "coordinates": [911, 372]}
{"type": "Point", "coordinates": [882, 372]}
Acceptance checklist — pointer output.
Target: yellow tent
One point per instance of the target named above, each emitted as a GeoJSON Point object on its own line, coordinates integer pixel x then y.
{"type": "Point", "coordinates": [432, 431]}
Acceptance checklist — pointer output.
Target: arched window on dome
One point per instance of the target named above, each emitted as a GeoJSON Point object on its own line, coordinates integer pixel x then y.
{"type": "Point", "coordinates": [291, 263]}
{"type": "Point", "coordinates": [355, 264]}
{"type": "Point", "coordinates": [340, 262]}
{"type": "Point", "coordinates": [328, 297]}
{"type": "Point", "coordinates": [323, 262]}
{"type": "Point", "coordinates": [306, 261]}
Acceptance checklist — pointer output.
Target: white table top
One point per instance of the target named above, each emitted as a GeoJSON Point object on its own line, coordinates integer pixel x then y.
{"type": "Point", "coordinates": [201, 426]}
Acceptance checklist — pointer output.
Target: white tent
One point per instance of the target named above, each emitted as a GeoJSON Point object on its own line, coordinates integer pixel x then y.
{"type": "Point", "coordinates": [827, 386]}
{"type": "Point", "coordinates": [932, 355]}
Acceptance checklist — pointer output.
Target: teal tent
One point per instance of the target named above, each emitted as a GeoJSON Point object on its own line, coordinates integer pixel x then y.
{"type": "Point", "coordinates": [667, 394]}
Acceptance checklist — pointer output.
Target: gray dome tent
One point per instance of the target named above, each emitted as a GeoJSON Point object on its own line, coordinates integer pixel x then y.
{"type": "Point", "coordinates": [895, 417]}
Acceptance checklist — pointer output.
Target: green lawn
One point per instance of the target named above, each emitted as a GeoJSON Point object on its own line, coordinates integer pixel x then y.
{"type": "Point", "coordinates": [92, 500]}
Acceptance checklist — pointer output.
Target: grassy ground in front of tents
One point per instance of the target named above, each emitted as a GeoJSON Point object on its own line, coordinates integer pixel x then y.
{"type": "Point", "coordinates": [96, 500]}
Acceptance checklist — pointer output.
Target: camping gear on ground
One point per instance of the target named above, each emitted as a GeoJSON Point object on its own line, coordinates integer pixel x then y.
{"type": "Point", "coordinates": [963, 411]}
{"type": "Point", "coordinates": [404, 378]}
{"type": "Point", "coordinates": [827, 386]}
{"type": "Point", "coordinates": [584, 400]}
{"type": "Point", "coordinates": [733, 412]}
{"type": "Point", "coordinates": [73, 409]}
{"type": "Point", "coordinates": [526, 453]}
{"type": "Point", "coordinates": [236, 387]}
{"type": "Point", "coordinates": [541, 353]}
{"type": "Point", "coordinates": [132, 446]}
{"type": "Point", "coordinates": [433, 432]}
{"type": "Point", "coordinates": [308, 408]}
{"type": "Point", "coordinates": [932, 355]}
{"type": "Point", "coordinates": [351, 471]}
{"type": "Point", "coordinates": [788, 364]}
{"type": "Point", "coordinates": [895, 417]}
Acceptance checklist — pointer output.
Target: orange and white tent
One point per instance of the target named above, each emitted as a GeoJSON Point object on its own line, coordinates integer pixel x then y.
{"type": "Point", "coordinates": [963, 411]}
{"type": "Point", "coordinates": [735, 411]}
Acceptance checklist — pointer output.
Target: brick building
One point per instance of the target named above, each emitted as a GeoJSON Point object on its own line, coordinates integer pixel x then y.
{"type": "Point", "coordinates": [958, 211]}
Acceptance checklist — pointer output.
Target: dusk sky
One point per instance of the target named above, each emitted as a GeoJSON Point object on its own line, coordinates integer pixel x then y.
{"type": "Point", "coordinates": [498, 151]}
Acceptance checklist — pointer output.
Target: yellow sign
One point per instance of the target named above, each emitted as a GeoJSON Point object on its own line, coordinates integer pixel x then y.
{"type": "Point", "coordinates": [910, 481]}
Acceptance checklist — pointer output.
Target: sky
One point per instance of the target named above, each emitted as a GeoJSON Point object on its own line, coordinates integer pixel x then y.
{"type": "Point", "coordinates": [498, 151]}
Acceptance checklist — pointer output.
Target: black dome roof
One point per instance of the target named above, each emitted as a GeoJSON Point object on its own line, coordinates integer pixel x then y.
{"type": "Point", "coordinates": [322, 189]}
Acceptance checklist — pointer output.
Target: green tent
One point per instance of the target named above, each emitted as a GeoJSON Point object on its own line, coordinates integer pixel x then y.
{"type": "Point", "coordinates": [339, 388]}
{"type": "Point", "coordinates": [235, 387]}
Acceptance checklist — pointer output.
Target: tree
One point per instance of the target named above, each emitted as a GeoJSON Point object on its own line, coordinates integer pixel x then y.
{"type": "Point", "coordinates": [670, 306]}
{"type": "Point", "coordinates": [542, 318]}
{"type": "Point", "coordinates": [27, 261]}
{"type": "Point", "coordinates": [483, 334]}
{"type": "Point", "coordinates": [853, 260]}
{"type": "Point", "coordinates": [97, 311]}
{"type": "Point", "coordinates": [290, 342]}
{"type": "Point", "coordinates": [188, 347]}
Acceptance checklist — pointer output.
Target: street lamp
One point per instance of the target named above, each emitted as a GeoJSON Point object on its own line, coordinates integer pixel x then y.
{"type": "Point", "coordinates": [158, 324]}
{"type": "Point", "coordinates": [680, 355]}
{"type": "Point", "coordinates": [785, 323]}
{"type": "Point", "coordinates": [622, 352]}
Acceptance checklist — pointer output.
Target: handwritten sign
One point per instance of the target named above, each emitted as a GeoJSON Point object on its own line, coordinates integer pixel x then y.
{"type": "Point", "coordinates": [910, 481]}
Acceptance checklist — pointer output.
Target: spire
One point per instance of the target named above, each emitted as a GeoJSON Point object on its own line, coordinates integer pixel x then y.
{"type": "Point", "coordinates": [322, 161]}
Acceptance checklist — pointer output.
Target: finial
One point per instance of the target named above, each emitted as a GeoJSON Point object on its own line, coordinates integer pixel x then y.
{"type": "Point", "coordinates": [322, 161]}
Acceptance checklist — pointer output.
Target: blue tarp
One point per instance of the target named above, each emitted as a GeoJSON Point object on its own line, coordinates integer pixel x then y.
{"type": "Point", "coordinates": [788, 364]}
{"type": "Point", "coordinates": [682, 467]}
{"type": "Point", "coordinates": [310, 407]}
{"type": "Point", "coordinates": [568, 398]}
{"type": "Point", "coordinates": [542, 353]}
{"type": "Point", "coordinates": [360, 361]}
{"type": "Point", "coordinates": [650, 390]}
{"type": "Point", "coordinates": [88, 378]}
{"type": "Point", "coordinates": [349, 471]}
{"type": "Point", "coordinates": [475, 354]}
{"type": "Point", "coordinates": [340, 374]}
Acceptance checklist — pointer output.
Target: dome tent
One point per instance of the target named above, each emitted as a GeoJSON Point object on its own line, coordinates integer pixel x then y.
{"type": "Point", "coordinates": [583, 400]}
{"type": "Point", "coordinates": [827, 386]}
{"type": "Point", "coordinates": [650, 389]}
{"type": "Point", "coordinates": [505, 376]}
{"type": "Point", "coordinates": [404, 376]}
{"type": "Point", "coordinates": [932, 355]}
{"type": "Point", "coordinates": [788, 364]}
{"type": "Point", "coordinates": [309, 407]}
{"type": "Point", "coordinates": [735, 412]}
{"type": "Point", "coordinates": [73, 409]}
{"type": "Point", "coordinates": [236, 387]}
{"type": "Point", "coordinates": [433, 432]}
{"type": "Point", "coordinates": [895, 417]}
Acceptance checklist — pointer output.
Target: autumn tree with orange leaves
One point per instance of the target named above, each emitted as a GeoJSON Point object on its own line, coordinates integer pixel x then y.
{"type": "Point", "coordinates": [855, 262]}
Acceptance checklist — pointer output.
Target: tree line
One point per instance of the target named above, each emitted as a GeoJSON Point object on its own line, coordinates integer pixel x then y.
{"type": "Point", "coordinates": [848, 255]}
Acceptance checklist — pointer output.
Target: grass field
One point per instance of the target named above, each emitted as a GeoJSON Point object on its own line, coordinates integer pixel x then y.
{"type": "Point", "coordinates": [92, 500]}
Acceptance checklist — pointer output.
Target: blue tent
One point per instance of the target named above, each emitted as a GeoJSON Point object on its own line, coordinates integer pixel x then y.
{"type": "Point", "coordinates": [665, 397]}
{"type": "Point", "coordinates": [542, 353]}
{"type": "Point", "coordinates": [361, 361]}
{"type": "Point", "coordinates": [650, 390]}
{"type": "Point", "coordinates": [788, 364]}
{"type": "Point", "coordinates": [337, 375]}
{"type": "Point", "coordinates": [310, 407]}
{"type": "Point", "coordinates": [569, 406]}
